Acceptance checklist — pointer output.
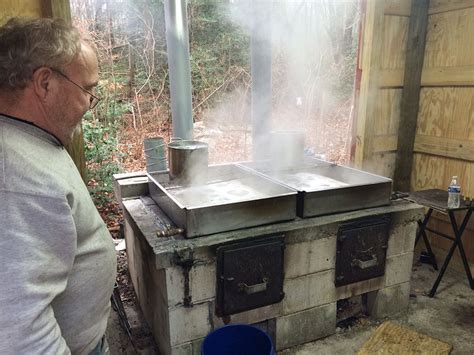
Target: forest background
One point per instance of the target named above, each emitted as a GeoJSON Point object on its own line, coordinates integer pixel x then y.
{"type": "Point", "coordinates": [314, 60]}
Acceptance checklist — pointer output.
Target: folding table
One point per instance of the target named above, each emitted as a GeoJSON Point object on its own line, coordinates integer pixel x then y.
{"type": "Point", "coordinates": [437, 200]}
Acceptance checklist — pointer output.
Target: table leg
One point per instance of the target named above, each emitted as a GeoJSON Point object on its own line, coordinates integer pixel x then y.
{"type": "Point", "coordinates": [457, 242]}
{"type": "Point", "coordinates": [422, 233]}
{"type": "Point", "coordinates": [458, 233]}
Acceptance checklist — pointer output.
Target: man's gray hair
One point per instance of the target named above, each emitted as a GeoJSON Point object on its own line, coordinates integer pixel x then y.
{"type": "Point", "coordinates": [28, 44]}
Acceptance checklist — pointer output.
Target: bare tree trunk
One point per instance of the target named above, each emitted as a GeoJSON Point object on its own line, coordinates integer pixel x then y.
{"type": "Point", "coordinates": [131, 71]}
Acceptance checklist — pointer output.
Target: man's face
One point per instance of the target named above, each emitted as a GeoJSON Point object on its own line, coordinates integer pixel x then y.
{"type": "Point", "coordinates": [72, 101]}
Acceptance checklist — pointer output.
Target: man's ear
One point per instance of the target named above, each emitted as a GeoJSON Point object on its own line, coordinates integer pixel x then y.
{"type": "Point", "coordinates": [42, 82]}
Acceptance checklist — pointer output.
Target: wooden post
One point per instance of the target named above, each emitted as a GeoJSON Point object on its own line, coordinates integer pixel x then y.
{"type": "Point", "coordinates": [411, 93]}
{"type": "Point", "coordinates": [62, 9]}
{"type": "Point", "coordinates": [369, 62]}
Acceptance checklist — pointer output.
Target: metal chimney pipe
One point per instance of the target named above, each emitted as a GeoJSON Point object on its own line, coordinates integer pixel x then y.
{"type": "Point", "coordinates": [261, 68]}
{"type": "Point", "coordinates": [179, 68]}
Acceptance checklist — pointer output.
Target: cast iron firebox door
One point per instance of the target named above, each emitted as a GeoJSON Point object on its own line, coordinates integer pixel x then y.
{"type": "Point", "coordinates": [361, 250]}
{"type": "Point", "coordinates": [249, 275]}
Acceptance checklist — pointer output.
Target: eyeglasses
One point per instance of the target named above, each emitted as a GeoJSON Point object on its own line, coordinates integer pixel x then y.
{"type": "Point", "coordinates": [93, 101]}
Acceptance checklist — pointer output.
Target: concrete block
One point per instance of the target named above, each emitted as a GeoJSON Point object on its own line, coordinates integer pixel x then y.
{"type": "Point", "coordinates": [402, 239]}
{"type": "Point", "coordinates": [302, 327]}
{"type": "Point", "coordinates": [359, 288]}
{"type": "Point", "coordinates": [398, 269]}
{"type": "Point", "coordinates": [309, 291]}
{"type": "Point", "coordinates": [189, 323]}
{"type": "Point", "coordinates": [175, 286]}
{"type": "Point", "coordinates": [203, 282]}
{"type": "Point", "coordinates": [310, 257]}
{"type": "Point", "coordinates": [389, 301]}
{"type": "Point", "coordinates": [191, 348]}
{"type": "Point", "coordinates": [183, 349]}
{"type": "Point", "coordinates": [252, 316]}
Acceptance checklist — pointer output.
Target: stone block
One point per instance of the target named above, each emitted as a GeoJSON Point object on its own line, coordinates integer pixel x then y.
{"type": "Point", "coordinates": [389, 301]}
{"type": "Point", "coordinates": [309, 291]}
{"type": "Point", "coordinates": [305, 326]}
{"type": "Point", "coordinates": [398, 269]}
{"type": "Point", "coordinates": [189, 323]}
{"type": "Point", "coordinates": [310, 257]}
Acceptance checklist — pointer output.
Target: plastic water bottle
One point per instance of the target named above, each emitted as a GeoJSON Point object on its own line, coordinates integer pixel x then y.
{"type": "Point", "coordinates": [454, 193]}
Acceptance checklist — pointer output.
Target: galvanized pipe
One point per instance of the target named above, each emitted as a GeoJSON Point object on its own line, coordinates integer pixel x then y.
{"type": "Point", "coordinates": [179, 68]}
{"type": "Point", "coordinates": [261, 62]}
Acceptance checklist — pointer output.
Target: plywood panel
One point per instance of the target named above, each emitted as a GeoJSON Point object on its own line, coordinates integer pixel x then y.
{"type": "Point", "coordinates": [381, 164]}
{"type": "Point", "coordinates": [436, 172]}
{"type": "Point", "coordinates": [428, 173]}
{"type": "Point", "coordinates": [394, 42]}
{"type": "Point", "coordinates": [24, 8]}
{"type": "Point", "coordinates": [387, 111]}
{"type": "Point", "coordinates": [447, 112]}
{"type": "Point", "coordinates": [450, 39]}
{"type": "Point", "coordinates": [445, 147]}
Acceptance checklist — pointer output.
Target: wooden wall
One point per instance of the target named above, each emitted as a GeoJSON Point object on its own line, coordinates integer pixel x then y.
{"type": "Point", "coordinates": [444, 141]}
{"type": "Point", "coordinates": [34, 8]}
{"type": "Point", "coordinates": [25, 8]}
{"type": "Point", "coordinates": [55, 9]}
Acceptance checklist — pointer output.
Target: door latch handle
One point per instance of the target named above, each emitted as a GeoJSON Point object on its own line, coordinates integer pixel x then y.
{"type": "Point", "coordinates": [364, 264]}
{"type": "Point", "coordinates": [250, 289]}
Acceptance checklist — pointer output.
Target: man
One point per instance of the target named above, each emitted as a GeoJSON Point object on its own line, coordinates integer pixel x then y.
{"type": "Point", "coordinates": [57, 261]}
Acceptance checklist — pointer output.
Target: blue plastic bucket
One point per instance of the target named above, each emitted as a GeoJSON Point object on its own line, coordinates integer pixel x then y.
{"type": "Point", "coordinates": [237, 339]}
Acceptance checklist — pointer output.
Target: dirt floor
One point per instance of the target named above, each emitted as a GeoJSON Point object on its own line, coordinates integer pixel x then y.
{"type": "Point", "coordinates": [448, 317]}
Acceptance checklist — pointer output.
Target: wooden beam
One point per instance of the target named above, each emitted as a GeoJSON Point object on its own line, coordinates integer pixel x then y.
{"type": "Point", "coordinates": [397, 7]}
{"type": "Point", "coordinates": [61, 9]}
{"type": "Point", "coordinates": [411, 93]}
{"type": "Point", "coordinates": [402, 7]}
{"type": "Point", "coordinates": [445, 147]}
{"type": "Point", "coordinates": [448, 76]}
{"type": "Point", "coordinates": [440, 76]}
{"type": "Point", "coordinates": [385, 143]}
{"type": "Point", "coordinates": [438, 6]}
